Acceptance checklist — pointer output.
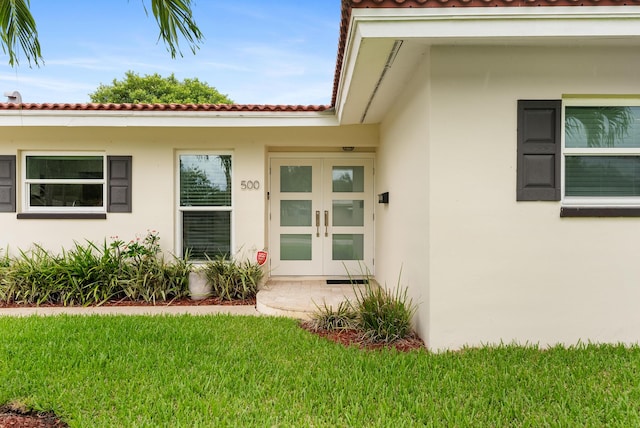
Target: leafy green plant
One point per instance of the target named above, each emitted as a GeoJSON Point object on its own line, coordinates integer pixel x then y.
{"type": "Point", "coordinates": [91, 274]}
{"type": "Point", "coordinates": [148, 276]}
{"type": "Point", "coordinates": [344, 317]}
{"type": "Point", "coordinates": [231, 280]}
{"type": "Point", "coordinates": [4, 264]}
{"type": "Point", "coordinates": [31, 278]}
{"type": "Point", "coordinates": [4, 259]}
{"type": "Point", "coordinates": [383, 314]}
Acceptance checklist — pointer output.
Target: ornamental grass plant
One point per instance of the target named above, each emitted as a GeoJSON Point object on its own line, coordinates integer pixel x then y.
{"type": "Point", "coordinates": [382, 315]}
{"type": "Point", "coordinates": [90, 274]}
{"type": "Point", "coordinates": [344, 317]}
{"type": "Point", "coordinates": [231, 279]}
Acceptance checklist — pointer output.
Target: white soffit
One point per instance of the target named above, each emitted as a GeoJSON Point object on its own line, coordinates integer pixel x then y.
{"type": "Point", "coordinates": [363, 98]}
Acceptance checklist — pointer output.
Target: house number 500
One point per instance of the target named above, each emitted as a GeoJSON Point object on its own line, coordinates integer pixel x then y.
{"type": "Point", "coordinates": [249, 184]}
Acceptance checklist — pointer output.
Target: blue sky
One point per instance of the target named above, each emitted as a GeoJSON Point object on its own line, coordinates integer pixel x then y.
{"type": "Point", "coordinates": [255, 51]}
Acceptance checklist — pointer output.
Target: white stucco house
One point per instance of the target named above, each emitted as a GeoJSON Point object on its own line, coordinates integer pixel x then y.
{"type": "Point", "coordinates": [489, 149]}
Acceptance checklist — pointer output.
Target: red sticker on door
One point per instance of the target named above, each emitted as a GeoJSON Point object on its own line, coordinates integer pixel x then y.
{"type": "Point", "coordinates": [261, 257]}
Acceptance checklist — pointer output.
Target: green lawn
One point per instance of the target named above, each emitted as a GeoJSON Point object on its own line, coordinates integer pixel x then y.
{"type": "Point", "coordinates": [258, 371]}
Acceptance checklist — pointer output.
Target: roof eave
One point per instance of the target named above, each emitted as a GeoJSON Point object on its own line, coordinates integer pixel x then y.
{"type": "Point", "coordinates": [164, 118]}
{"type": "Point", "coordinates": [373, 33]}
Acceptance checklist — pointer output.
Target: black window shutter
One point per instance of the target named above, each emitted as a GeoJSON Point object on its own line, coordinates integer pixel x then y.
{"type": "Point", "coordinates": [119, 184]}
{"type": "Point", "coordinates": [539, 125]}
{"type": "Point", "coordinates": [7, 184]}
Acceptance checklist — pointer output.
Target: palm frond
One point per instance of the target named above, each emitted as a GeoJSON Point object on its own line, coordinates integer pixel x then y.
{"type": "Point", "coordinates": [175, 19]}
{"type": "Point", "coordinates": [19, 32]}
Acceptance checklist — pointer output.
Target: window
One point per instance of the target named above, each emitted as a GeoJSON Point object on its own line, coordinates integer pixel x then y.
{"type": "Point", "coordinates": [601, 153]}
{"type": "Point", "coordinates": [205, 205]}
{"type": "Point", "coordinates": [64, 183]}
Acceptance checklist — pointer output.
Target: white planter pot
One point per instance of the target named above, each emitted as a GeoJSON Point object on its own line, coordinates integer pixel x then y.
{"type": "Point", "coordinates": [199, 287]}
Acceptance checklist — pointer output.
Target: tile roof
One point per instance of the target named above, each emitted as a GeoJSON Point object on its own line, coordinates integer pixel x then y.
{"type": "Point", "coordinates": [165, 107]}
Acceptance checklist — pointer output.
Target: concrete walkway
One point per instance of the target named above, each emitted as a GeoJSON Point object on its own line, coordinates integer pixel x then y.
{"type": "Point", "coordinates": [130, 310]}
{"type": "Point", "coordinates": [300, 297]}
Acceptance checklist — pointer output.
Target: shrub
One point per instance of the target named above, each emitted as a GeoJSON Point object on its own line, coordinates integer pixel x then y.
{"type": "Point", "coordinates": [4, 260]}
{"type": "Point", "coordinates": [342, 318]}
{"type": "Point", "coordinates": [32, 278]}
{"type": "Point", "coordinates": [90, 274]}
{"type": "Point", "coordinates": [4, 264]}
{"type": "Point", "coordinates": [146, 275]}
{"type": "Point", "coordinates": [384, 315]}
{"type": "Point", "coordinates": [231, 280]}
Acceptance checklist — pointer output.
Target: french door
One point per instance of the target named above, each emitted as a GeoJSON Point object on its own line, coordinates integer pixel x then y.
{"type": "Point", "coordinates": [321, 216]}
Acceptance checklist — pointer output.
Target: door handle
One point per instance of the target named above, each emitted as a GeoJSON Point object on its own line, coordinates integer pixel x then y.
{"type": "Point", "coordinates": [326, 223]}
{"type": "Point", "coordinates": [317, 224]}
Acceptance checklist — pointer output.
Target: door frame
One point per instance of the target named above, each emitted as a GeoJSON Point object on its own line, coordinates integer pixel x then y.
{"type": "Point", "coordinates": [272, 235]}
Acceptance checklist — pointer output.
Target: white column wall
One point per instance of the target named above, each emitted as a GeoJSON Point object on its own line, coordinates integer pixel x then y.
{"type": "Point", "coordinates": [502, 270]}
{"type": "Point", "coordinates": [402, 226]}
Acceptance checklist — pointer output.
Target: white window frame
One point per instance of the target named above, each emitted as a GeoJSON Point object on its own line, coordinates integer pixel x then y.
{"type": "Point", "coordinates": [181, 209]}
{"type": "Point", "coordinates": [596, 201]}
{"type": "Point", "coordinates": [25, 184]}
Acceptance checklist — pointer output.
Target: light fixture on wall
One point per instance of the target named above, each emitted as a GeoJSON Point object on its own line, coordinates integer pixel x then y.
{"type": "Point", "coordinates": [348, 148]}
{"type": "Point", "coordinates": [383, 198]}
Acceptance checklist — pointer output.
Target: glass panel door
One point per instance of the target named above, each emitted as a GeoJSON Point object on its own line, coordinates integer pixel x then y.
{"type": "Point", "coordinates": [321, 216]}
{"type": "Point", "coordinates": [350, 200]}
{"type": "Point", "coordinates": [295, 193]}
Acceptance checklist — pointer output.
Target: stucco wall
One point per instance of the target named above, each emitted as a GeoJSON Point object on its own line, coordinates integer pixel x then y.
{"type": "Point", "coordinates": [503, 270]}
{"type": "Point", "coordinates": [402, 226]}
{"type": "Point", "coordinates": [154, 174]}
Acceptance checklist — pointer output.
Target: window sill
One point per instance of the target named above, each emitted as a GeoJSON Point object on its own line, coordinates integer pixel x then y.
{"type": "Point", "coordinates": [62, 216]}
{"type": "Point", "coordinates": [600, 212]}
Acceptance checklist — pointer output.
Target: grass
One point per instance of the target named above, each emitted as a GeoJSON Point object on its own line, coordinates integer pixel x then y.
{"type": "Point", "coordinates": [258, 371]}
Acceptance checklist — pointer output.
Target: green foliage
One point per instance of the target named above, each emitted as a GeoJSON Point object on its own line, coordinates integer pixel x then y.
{"type": "Point", "coordinates": [145, 273]}
{"type": "Point", "coordinates": [156, 89]}
{"type": "Point", "coordinates": [173, 17]}
{"type": "Point", "coordinates": [231, 280]}
{"type": "Point", "coordinates": [90, 274]}
{"type": "Point", "coordinates": [18, 30]}
{"type": "Point", "coordinates": [344, 317]}
{"type": "Point", "coordinates": [384, 315]}
{"type": "Point", "coordinates": [4, 259]}
{"type": "Point", "coordinates": [381, 314]}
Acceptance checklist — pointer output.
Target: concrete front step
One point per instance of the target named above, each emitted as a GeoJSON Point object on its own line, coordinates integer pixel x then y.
{"type": "Point", "coordinates": [300, 297]}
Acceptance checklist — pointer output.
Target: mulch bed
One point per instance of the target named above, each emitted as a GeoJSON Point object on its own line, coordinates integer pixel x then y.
{"type": "Point", "coordinates": [16, 417]}
{"type": "Point", "coordinates": [355, 338]}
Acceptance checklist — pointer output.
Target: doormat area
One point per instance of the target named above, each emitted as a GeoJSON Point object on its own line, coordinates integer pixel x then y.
{"type": "Point", "coordinates": [347, 281]}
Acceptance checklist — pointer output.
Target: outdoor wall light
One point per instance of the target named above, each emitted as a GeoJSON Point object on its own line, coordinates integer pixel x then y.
{"type": "Point", "coordinates": [383, 198]}
{"type": "Point", "coordinates": [348, 149]}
